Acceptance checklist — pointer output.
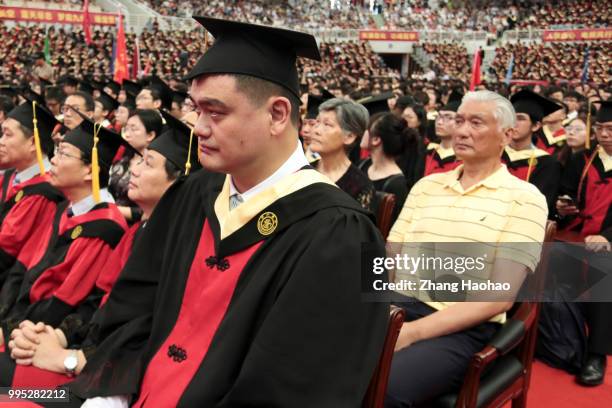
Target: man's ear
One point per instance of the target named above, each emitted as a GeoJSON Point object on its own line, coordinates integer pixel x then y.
{"type": "Point", "coordinates": [88, 174]}
{"type": "Point", "coordinates": [279, 108]}
{"type": "Point", "coordinates": [507, 136]}
{"type": "Point", "coordinates": [536, 126]}
{"type": "Point", "coordinates": [157, 103]}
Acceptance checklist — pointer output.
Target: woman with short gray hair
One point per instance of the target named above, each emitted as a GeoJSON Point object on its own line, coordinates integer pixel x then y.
{"type": "Point", "coordinates": [341, 124]}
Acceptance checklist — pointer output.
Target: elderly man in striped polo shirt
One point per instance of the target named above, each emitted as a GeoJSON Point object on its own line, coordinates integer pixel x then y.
{"type": "Point", "coordinates": [481, 202]}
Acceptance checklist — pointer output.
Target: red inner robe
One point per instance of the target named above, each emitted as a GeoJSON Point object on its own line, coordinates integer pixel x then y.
{"type": "Point", "coordinates": [74, 278]}
{"type": "Point", "coordinates": [434, 164]}
{"type": "Point", "coordinates": [207, 295]}
{"type": "Point", "coordinates": [598, 201]}
{"type": "Point", "coordinates": [30, 376]}
{"type": "Point", "coordinates": [21, 232]}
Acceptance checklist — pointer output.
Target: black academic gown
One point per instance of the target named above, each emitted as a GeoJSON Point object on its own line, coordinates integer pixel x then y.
{"type": "Point", "coordinates": [295, 332]}
{"type": "Point", "coordinates": [595, 203]}
{"type": "Point", "coordinates": [545, 174]}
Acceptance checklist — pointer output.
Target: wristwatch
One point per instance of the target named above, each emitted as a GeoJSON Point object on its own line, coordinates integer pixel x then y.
{"type": "Point", "coordinates": [71, 362]}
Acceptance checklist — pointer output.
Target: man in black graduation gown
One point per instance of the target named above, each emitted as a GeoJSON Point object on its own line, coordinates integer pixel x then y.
{"type": "Point", "coordinates": [523, 158]}
{"type": "Point", "coordinates": [254, 306]}
{"type": "Point", "coordinates": [587, 181]}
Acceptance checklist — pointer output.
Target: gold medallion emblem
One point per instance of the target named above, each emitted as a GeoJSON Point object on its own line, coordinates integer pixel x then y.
{"type": "Point", "coordinates": [267, 223]}
{"type": "Point", "coordinates": [76, 232]}
{"type": "Point", "coordinates": [19, 196]}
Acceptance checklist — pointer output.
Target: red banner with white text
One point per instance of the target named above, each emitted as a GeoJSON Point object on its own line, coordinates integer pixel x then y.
{"type": "Point", "coordinates": [54, 16]}
{"type": "Point", "coordinates": [378, 35]}
{"type": "Point", "coordinates": [593, 34]}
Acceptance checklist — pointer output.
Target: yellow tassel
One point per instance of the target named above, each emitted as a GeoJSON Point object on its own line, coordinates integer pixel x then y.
{"type": "Point", "coordinates": [39, 155]}
{"type": "Point", "coordinates": [95, 166]}
{"type": "Point", "coordinates": [587, 142]}
{"type": "Point", "coordinates": [532, 160]}
{"type": "Point", "coordinates": [188, 162]}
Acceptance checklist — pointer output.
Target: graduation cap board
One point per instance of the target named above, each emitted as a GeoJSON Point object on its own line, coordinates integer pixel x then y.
{"type": "Point", "coordinates": [166, 93]}
{"type": "Point", "coordinates": [113, 86]}
{"type": "Point", "coordinates": [377, 103]}
{"type": "Point", "coordinates": [454, 101]}
{"type": "Point", "coordinates": [108, 102]}
{"type": "Point", "coordinates": [264, 52]}
{"type": "Point", "coordinates": [536, 106]}
{"type": "Point", "coordinates": [177, 144]}
{"type": "Point", "coordinates": [605, 112]}
{"type": "Point", "coordinates": [314, 101]}
{"type": "Point", "coordinates": [131, 88]}
{"type": "Point", "coordinates": [68, 80]}
{"type": "Point", "coordinates": [34, 116]}
{"type": "Point", "coordinates": [99, 145]}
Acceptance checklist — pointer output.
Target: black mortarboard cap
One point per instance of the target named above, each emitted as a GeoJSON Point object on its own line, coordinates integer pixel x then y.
{"type": "Point", "coordinates": [28, 93]}
{"type": "Point", "coordinates": [9, 90]}
{"type": "Point", "coordinates": [177, 143]}
{"type": "Point", "coordinates": [45, 121]}
{"type": "Point", "coordinates": [68, 80]}
{"type": "Point", "coordinates": [109, 103]}
{"type": "Point", "coordinates": [114, 86]}
{"type": "Point", "coordinates": [605, 112]}
{"type": "Point", "coordinates": [179, 96]}
{"type": "Point", "coordinates": [314, 101]}
{"type": "Point", "coordinates": [85, 86]}
{"type": "Point", "coordinates": [264, 52]}
{"type": "Point", "coordinates": [377, 103]}
{"type": "Point", "coordinates": [165, 91]}
{"type": "Point", "coordinates": [131, 87]}
{"type": "Point", "coordinates": [454, 101]}
{"type": "Point", "coordinates": [82, 137]}
{"type": "Point", "coordinates": [536, 106]}
{"type": "Point", "coordinates": [97, 84]}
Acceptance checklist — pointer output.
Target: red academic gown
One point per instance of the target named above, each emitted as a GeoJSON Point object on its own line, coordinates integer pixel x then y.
{"type": "Point", "coordinates": [30, 376]}
{"type": "Point", "coordinates": [63, 282]}
{"type": "Point", "coordinates": [550, 142]}
{"type": "Point", "coordinates": [29, 205]}
{"type": "Point", "coordinates": [439, 163]}
{"type": "Point", "coordinates": [595, 195]}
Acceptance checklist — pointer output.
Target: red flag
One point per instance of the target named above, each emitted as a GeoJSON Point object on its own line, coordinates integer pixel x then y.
{"type": "Point", "coordinates": [475, 70]}
{"type": "Point", "coordinates": [120, 64]}
{"type": "Point", "coordinates": [136, 68]}
{"type": "Point", "coordinates": [86, 22]}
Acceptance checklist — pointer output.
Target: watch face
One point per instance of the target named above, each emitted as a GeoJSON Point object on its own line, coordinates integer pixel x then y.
{"type": "Point", "coordinates": [70, 362]}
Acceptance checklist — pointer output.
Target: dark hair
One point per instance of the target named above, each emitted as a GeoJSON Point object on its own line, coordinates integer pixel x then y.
{"type": "Point", "coordinates": [419, 111]}
{"type": "Point", "coordinates": [156, 92]}
{"type": "Point", "coordinates": [6, 104]}
{"type": "Point", "coordinates": [55, 93]}
{"type": "Point", "coordinates": [151, 120]}
{"type": "Point", "coordinates": [397, 138]}
{"type": "Point", "coordinates": [553, 89]}
{"type": "Point", "coordinates": [259, 90]}
{"type": "Point", "coordinates": [172, 170]}
{"type": "Point", "coordinates": [88, 99]}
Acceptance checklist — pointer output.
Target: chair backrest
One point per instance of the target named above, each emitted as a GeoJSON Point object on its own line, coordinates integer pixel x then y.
{"type": "Point", "coordinates": [375, 396]}
{"type": "Point", "coordinates": [384, 212]}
